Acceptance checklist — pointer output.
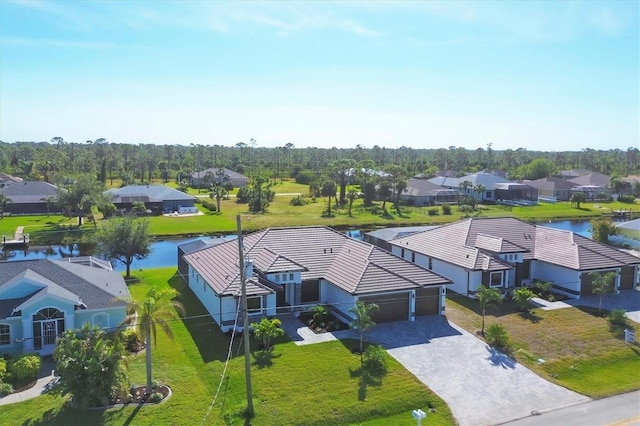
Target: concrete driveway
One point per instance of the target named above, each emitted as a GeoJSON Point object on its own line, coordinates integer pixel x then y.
{"type": "Point", "coordinates": [629, 300]}
{"type": "Point", "coordinates": [482, 386]}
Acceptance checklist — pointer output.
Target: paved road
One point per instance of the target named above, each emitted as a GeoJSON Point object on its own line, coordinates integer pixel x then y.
{"type": "Point", "coordinates": [617, 410]}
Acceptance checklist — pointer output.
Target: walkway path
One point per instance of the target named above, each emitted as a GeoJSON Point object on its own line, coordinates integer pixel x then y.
{"type": "Point", "coordinates": [46, 381]}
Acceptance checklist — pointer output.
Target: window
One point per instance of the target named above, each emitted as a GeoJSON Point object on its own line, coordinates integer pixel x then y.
{"type": "Point", "coordinates": [496, 279]}
{"type": "Point", "coordinates": [101, 320]}
{"type": "Point", "coordinates": [254, 304]}
{"type": "Point", "coordinates": [277, 278]}
{"type": "Point", "coordinates": [5, 334]}
{"type": "Point", "coordinates": [430, 263]}
{"type": "Point", "coordinates": [290, 277]}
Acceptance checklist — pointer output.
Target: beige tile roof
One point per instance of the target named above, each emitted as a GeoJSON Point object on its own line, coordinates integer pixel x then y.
{"type": "Point", "coordinates": [463, 243]}
{"type": "Point", "coordinates": [319, 252]}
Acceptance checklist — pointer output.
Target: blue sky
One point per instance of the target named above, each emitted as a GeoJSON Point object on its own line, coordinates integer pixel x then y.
{"type": "Point", "coordinates": [544, 75]}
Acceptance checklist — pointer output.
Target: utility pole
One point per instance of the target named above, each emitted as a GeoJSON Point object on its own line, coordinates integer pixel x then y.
{"type": "Point", "coordinates": [245, 321]}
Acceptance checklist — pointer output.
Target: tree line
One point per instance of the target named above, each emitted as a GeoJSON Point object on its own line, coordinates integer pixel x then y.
{"type": "Point", "coordinates": [58, 160]}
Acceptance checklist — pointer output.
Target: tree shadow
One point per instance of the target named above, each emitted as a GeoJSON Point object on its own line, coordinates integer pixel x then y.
{"type": "Point", "coordinates": [264, 359]}
{"type": "Point", "coordinates": [530, 315]}
{"type": "Point", "coordinates": [366, 378]}
{"type": "Point", "coordinates": [500, 359]}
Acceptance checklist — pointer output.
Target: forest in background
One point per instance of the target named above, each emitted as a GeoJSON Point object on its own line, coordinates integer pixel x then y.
{"type": "Point", "coordinates": [58, 160]}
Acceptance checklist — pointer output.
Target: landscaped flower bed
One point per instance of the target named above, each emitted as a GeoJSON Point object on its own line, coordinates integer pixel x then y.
{"type": "Point", "coordinates": [323, 322]}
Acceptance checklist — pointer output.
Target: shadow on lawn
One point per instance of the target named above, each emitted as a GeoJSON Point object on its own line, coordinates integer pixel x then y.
{"type": "Point", "coordinates": [67, 416]}
{"type": "Point", "coordinates": [366, 378]}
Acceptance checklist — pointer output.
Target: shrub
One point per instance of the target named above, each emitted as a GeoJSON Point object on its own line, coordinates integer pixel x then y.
{"type": "Point", "coordinates": [446, 210]}
{"type": "Point", "coordinates": [617, 317]}
{"type": "Point", "coordinates": [209, 205]}
{"type": "Point", "coordinates": [131, 339]}
{"type": "Point", "coordinates": [155, 397]}
{"type": "Point", "coordinates": [375, 359]}
{"type": "Point", "coordinates": [432, 212]}
{"type": "Point", "coordinates": [629, 199]}
{"type": "Point", "coordinates": [298, 201]}
{"type": "Point", "coordinates": [3, 368]}
{"type": "Point", "coordinates": [465, 208]}
{"type": "Point", "coordinates": [522, 297]}
{"type": "Point", "coordinates": [305, 177]}
{"type": "Point", "coordinates": [26, 367]}
{"type": "Point", "coordinates": [496, 335]}
{"type": "Point", "coordinates": [243, 195]}
{"type": "Point", "coordinates": [5, 389]}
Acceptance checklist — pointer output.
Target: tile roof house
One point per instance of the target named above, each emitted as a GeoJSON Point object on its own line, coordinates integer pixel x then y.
{"type": "Point", "coordinates": [507, 253]}
{"type": "Point", "coordinates": [573, 173]}
{"type": "Point", "coordinates": [30, 197]}
{"type": "Point", "coordinates": [552, 188]}
{"type": "Point", "coordinates": [157, 198]}
{"type": "Point", "coordinates": [40, 299]}
{"type": "Point", "coordinates": [421, 192]}
{"type": "Point", "coordinates": [6, 180]}
{"type": "Point", "coordinates": [199, 179]}
{"type": "Point", "coordinates": [496, 188]}
{"type": "Point", "coordinates": [291, 269]}
{"type": "Point", "coordinates": [592, 179]}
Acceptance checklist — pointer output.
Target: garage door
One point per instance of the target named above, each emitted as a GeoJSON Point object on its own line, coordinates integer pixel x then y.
{"type": "Point", "coordinates": [428, 301]}
{"type": "Point", "coordinates": [393, 307]}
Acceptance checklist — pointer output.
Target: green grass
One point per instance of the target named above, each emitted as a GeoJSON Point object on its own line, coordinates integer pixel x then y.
{"type": "Point", "coordinates": [311, 385]}
{"type": "Point", "coordinates": [580, 349]}
{"type": "Point", "coordinates": [54, 229]}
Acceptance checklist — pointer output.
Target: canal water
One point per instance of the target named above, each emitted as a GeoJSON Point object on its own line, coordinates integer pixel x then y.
{"type": "Point", "coordinates": [165, 253]}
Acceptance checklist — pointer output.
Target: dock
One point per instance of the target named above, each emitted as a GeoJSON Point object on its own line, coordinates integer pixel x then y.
{"type": "Point", "coordinates": [20, 239]}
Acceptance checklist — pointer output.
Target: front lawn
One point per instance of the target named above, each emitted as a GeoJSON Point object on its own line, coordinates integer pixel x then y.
{"type": "Point", "coordinates": [312, 385]}
{"type": "Point", "coordinates": [579, 348]}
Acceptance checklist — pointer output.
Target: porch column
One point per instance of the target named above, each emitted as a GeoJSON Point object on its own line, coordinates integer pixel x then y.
{"type": "Point", "coordinates": [27, 335]}
{"type": "Point", "coordinates": [412, 306]}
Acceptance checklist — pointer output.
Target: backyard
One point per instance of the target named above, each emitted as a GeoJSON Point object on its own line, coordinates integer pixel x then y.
{"type": "Point", "coordinates": [313, 384]}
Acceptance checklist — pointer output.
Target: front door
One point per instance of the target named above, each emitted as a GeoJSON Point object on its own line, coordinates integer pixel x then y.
{"type": "Point", "coordinates": [48, 323]}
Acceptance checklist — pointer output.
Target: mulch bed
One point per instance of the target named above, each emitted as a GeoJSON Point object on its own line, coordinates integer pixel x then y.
{"type": "Point", "coordinates": [138, 395]}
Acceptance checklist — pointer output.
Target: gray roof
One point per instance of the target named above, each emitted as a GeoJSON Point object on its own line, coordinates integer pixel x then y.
{"type": "Point", "coordinates": [388, 234]}
{"type": "Point", "coordinates": [229, 173]}
{"type": "Point", "coordinates": [573, 173]}
{"type": "Point", "coordinates": [467, 243]}
{"type": "Point", "coordinates": [30, 191]}
{"type": "Point", "coordinates": [320, 252]}
{"type": "Point", "coordinates": [423, 188]}
{"type": "Point", "coordinates": [191, 246]}
{"type": "Point", "coordinates": [92, 287]}
{"type": "Point", "coordinates": [633, 225]}
{"type": "Point", "coordinates": [488, 180]}
{"type": "Point", "coordinates": [592, 179]}
{"type": "Point", "coordinates": [146, 193]}
{"type": "Point", "coordinates": [551, 183]}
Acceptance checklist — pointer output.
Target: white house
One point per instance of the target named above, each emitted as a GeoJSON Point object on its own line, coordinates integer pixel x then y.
{"type": "Point", "coordinates": [507, 253]}
{"type": "Point", "coordinates": [292, 269]}
{"type": "Point", "coordinates": [40, 299]}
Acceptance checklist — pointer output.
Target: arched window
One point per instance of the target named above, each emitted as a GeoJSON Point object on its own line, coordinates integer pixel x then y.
{"type": "Point", "coordinates": [101, 320]}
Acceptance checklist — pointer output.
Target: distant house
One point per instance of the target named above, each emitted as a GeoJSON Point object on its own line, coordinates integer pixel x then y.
{"type": "Point", "coordinates": [40, 299]}
{"type": "Point", "coordinates": [157, 198]}
{"type": "Point", "coordinates": [421, 192]}
{"type": "Point", "coordinates": [506, 253]}
{"type": "Point", "coordinates": [6, 180]}
{"type": "Point", "coordinates": [31, 197]}
{"type": "Point", "coordinates": [292, 269]}
{"type": "Point", "coordinates": [592, 179]}
{"type": "Point", "coordinates": [496, 188]}
{"type": "Point", "coordinates": [592, 192]}
{"type": "Point", "coordinates": [206, 177]}
{"type": "Point", "coordinates": [552, 188]}
{"type": "Point", "coordinates": [573, 173]}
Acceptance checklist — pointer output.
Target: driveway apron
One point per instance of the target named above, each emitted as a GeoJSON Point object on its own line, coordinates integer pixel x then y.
{"type": "Point", "coordinates": [481, 385]}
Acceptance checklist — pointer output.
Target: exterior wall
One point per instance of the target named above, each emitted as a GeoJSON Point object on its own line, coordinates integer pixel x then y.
{"type": "Point", "coordinates": [206, 295]}
{"type": "Point", "coordinates": [47, 302]}
{"type": "Point", "coordinates": [339, 299]}
{"type": "Point", "coordinates": [566, 281]}
{"type": "Point", "coordinates": [16, 335]}
{"type": "Point", "coordinates": [114, 316]}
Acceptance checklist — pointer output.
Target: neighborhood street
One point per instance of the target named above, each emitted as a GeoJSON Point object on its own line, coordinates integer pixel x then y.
{"type": "Point", "coordinates": [619, 410]}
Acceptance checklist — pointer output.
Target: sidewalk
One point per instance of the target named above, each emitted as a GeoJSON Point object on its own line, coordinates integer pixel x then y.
{"type": "Point", "coordinates": [46, 381]}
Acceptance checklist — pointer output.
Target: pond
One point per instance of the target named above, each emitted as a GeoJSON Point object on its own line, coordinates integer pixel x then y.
{"type": "Point", "coordinates": [164, 253]}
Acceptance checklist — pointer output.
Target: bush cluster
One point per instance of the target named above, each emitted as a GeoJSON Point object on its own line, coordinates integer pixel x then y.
{"type": "Point", "coordinates": [629, 199]}
{"type": "Point", "coordinates": [209, 205]}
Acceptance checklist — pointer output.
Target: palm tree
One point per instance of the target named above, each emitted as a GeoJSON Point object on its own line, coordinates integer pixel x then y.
{"type": "Point", "coordinates": [149, 314]}
{"type": "Point", "coordinates": [479, 189]}
{"type": "Point", "coordinates": [486, 296]}
{"type": "Point", "coordinates": [602, 284]}
{"type": "Point", "coordinates": [362, 321]}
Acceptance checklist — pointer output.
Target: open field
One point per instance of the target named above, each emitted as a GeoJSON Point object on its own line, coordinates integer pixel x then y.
{"type": "Point", "coordinates": [312, 385]}
{"type": "Point", "coordinates": [581, 351]}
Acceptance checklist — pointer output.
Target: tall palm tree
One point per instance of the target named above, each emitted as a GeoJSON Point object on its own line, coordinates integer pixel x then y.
{"type": "Point", "coordinates": [149, 314]}
{"type": "Point", "coordinates": [487, 295]}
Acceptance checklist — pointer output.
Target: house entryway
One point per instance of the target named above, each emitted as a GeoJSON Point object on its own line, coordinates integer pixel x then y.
{"type": "Point", "coordinates": [48, 323]}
